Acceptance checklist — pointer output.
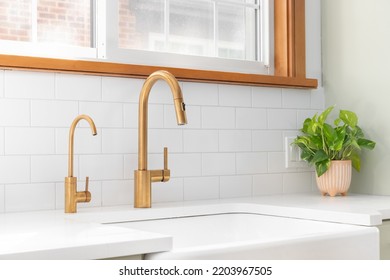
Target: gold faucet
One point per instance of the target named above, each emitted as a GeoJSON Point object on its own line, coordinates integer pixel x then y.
{"type": "Point", "coordinates": [72, 196]}
{"type": "Point", "coordinates": [143, 177]}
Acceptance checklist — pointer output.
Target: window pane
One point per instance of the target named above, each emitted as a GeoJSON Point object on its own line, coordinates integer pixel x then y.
{"type": "Point", "coordinates": [141, 24]}
{"type": "Point", "coordinates": [64, 21]}
{"type": "Point", "coordinates": [15, 20]}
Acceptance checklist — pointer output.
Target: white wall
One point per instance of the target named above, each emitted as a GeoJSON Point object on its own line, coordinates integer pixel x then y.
{"type": "Point", "coordinates": [356, 44]}
{"type": "Point", "coordinates": [232, 146]}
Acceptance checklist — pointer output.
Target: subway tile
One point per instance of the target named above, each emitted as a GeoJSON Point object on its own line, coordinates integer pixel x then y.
{"type": "Point", "coordinates": [155, 115]}
{"type": "Point", "coordinates": [282, 119]}
{"type": "Point", "coordinates": [267, 184]}
{"type": "Point", "coordinates": [78, 87]}
{"type": "Point", "coordinates": [51, 168]}
{"type": "Point", "coordinates": [297, 182]}
{"type": "Point", "coordinates": [121, 141]}
{"type": "Point", "coordinates": [267, 141]}
{"type": "Point", "coordinates": [14, 112]}
{"type": "Point", "coordinates": [181, 165]}
{"type": "Point", "coordinates": [317, 98]}
{"type": "Point", "coordinates": [2, 83]}
{"type": "Point", "coordinates": [161, 93]}
{"type": "Point", "coordinates": [266, 97]}
{"type": "Point", "coordinates": [117, 192]}
{"type": "Point", "coordinates": [218, 164]}
{"type": "Point", "coordinates": [53, 113]}
{"type": "Point", "coordinates": [2, 198]}
{"type": "Point", "coordinates": [2, 140]}
{"type": "Point", "coordinates": [236, 96]}
{"type": "Point", "coordinates": [29, 197]}
{"type": "Point", "coordinates": [218, 117]}
{"type": "Point", "coordinates": [160, 138]}
{"type": "Point", "coordinates": [296, 98]}
{"type": "Point", "coordinates": [235, 140]}
{"type": "Point", "coordinates": [121, 89]}
{"type": "Point", "coordinates": [251, 118]}
{"type": "Point", "coordinates": [200, 141]}
{"type": "Point", "coordinates": [168, 191]}
{"type": "Point", "coordinates": [84, 141]}
{"type": "Point", "coordinates": [251, 163]}
{"type": "Point", "coordinates": [101, 167]}
{"type": "Point", "coordinates": [200, 93]}
{"type": "Point", "coordinates": [131, 164]}
{"type": "Point", "coordinates": [19, 141]}
{"type": "Point", "coordinates": [104, 114]}
{"type": "Point", "coordinates": [95, 187]}
{"type": "Point", "coordinates": [199, 188]}
{"type": "Point", "coordinates": [193, 117]}
{"type": "Point", "coordinates": [14, 169]}
{"type": "Point", "coordinates": [276, 162]}
{"type": "Point", "coordinates": [28, 84]}
{"type": "Point", "coordinates": [235, 186]}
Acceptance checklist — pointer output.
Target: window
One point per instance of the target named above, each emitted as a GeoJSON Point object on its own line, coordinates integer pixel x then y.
{"type": "Point", "coordinates": [103, 46]}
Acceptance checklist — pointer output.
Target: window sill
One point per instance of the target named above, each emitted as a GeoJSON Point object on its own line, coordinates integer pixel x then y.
{"type": "Point", "coordinates": [142, 71]}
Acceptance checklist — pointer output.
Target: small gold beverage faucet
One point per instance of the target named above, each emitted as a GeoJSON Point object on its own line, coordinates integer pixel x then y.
{"type": "Point", "coordinates": [143, 177]}
{"type": "Point", "coordinates": [72, 196]}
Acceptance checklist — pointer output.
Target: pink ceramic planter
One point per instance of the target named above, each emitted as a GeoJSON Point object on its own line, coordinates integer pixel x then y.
{"type": "Point", "coordinates": [337, 179]}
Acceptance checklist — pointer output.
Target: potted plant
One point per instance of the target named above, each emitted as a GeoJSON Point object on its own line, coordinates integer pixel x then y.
{"type": "Point", "coordinates": [333, 149]}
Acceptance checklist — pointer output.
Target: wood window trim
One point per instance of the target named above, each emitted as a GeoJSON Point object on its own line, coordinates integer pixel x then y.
{"type": "Point", "coordinates": [289, 59]}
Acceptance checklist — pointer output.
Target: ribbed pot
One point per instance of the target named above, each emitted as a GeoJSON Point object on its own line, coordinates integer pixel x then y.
{"type": "Point", "coordinates": [337, 179]}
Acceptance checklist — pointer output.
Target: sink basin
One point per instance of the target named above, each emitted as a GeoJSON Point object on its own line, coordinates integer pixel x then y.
{"type": "Point", "coordinates": [255, 236]}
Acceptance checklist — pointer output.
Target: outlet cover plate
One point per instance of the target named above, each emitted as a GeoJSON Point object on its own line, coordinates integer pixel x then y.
{"type": "Point", "coordinates": [293, 154]}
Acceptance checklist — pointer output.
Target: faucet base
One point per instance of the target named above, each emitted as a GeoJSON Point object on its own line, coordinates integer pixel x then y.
{"type": "Point", "coordinates": [142, 189]}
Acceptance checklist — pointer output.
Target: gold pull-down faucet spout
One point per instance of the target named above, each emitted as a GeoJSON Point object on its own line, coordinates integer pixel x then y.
{"type": "Point", "coordinates": [144, 177]}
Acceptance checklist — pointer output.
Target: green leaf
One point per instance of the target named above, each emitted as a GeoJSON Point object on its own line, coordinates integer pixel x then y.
{"type": "Point", "coordinates": [355, 161]}
{"type": "Point", "coordinates": [320, 156]}
{"type": "Point", "coordinates": [330, 134]}
{"type": "Point", "coordinates": [348, 117]}
{"type": "Point", "coordinates": [365, 143]}
{"type": "Point", "coordinates": [307, 156]}
{"type": "Point", "coordinates": [324, 115]}
{"type": "Point", "coordinates": [322, 167]}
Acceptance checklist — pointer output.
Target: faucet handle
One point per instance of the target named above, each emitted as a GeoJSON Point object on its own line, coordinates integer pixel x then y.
{"type": "Point", "coordinates": [165, 158]}
{"type": "Point", "coordinates": [86, 183]}
{"type": "Point", "coordinates": [87, 194]}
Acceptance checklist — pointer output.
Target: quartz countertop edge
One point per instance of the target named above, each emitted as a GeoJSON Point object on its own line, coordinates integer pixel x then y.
{"type": "Point", "coordinates": [92, 233]}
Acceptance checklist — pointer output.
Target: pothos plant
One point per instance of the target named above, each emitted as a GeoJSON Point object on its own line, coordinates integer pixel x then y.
{"type": "Point", "coordinates": [321, 142]}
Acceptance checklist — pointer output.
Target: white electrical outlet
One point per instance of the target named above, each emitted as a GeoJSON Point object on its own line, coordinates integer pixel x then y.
{"type": "Point", "coordinates": [293, 154]}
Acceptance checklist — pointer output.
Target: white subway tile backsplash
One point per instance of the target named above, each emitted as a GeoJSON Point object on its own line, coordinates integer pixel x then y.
{"type": "Point", "coordinates": [155, 115]}
{"type": "Point", "coordinates": [201, 188]}
{"type": "Point", "coordinates": [103, 114]}
{"type": "Point", "coordinates": [160, 138]}
{"type": "Point", "coordinates": [276, 162]}
{"type": "Point", "coordinates": [52, 113]}
{"type": "Point", "coordinates": [84, 141]}
{"type": "Point", "coordinates": [200, 94]}
{"type": "Point", "coordinates": [32, 85]}
{"type": "Point", "coordinates": [235, 186]}
{"type": "Point", "coordinates": [168, 191]}
{"type": "Point", "coordinates": [218, 117]}
{"type": "Point", "coordinates": [51, 168]}
{"type": "Point", "coordinates": [121, 89]}
{"type": "Point", "coordinates": [119, 141]}
{"type": "Point", "coordinates": [237, 96]}
{"type": "Point", "coordinates": [2, 141]}
{"type": "Point", "coordinates": [29, 197]}
{"type": "Point", "coordinates": [101, 167]}
{"type": "Point", "coordinates": [218, 164]}
{"type": "Point", "coordinates": [317, 98]}
{"type": "Point", "coordinates": [251, 163]}
{"type": "Point", "coordinates": [297, 182]}
{"type": "Point", "coordinates": [130, 164]}
{"type": "Point", "coordinates": [14, 112]}
{"type": "Point", "coordinates": [267, 141]}
{"type": "Point", "coordinates": [235, 140]}
{"type": "Point", "coordinates": [251, 118]}
{"type": "Point", "coordinates": [2, 198]}
{"type": "Point", "coordinates": [20, 141]}
{"type": "Point", "coordinates": [296, 98]}
{"type": "Point", "coordinates": [266, 97]}
{"type": "Point", "coordinates": [198, 141]}
{"type": "Point", "coordinates": [161, 93]}
{"type": "Point", "coordinates": [181, 165]}
{"type": "Point", "coordinates": [117, 192]}
{"type": "Point", "coordinates": [282, 119]}
{"type": "Point", "coordinates": [78, 87]}
{"type": "Point", "coordinates": [267, 184]}
{"type": "Point", "coordinates": [1, 83]}
{"type": "Point", "coordinates": [14, 169]}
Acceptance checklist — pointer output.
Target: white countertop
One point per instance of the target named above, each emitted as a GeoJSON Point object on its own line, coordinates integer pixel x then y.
{"type": "Point", "coordinates": [85, 235]}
